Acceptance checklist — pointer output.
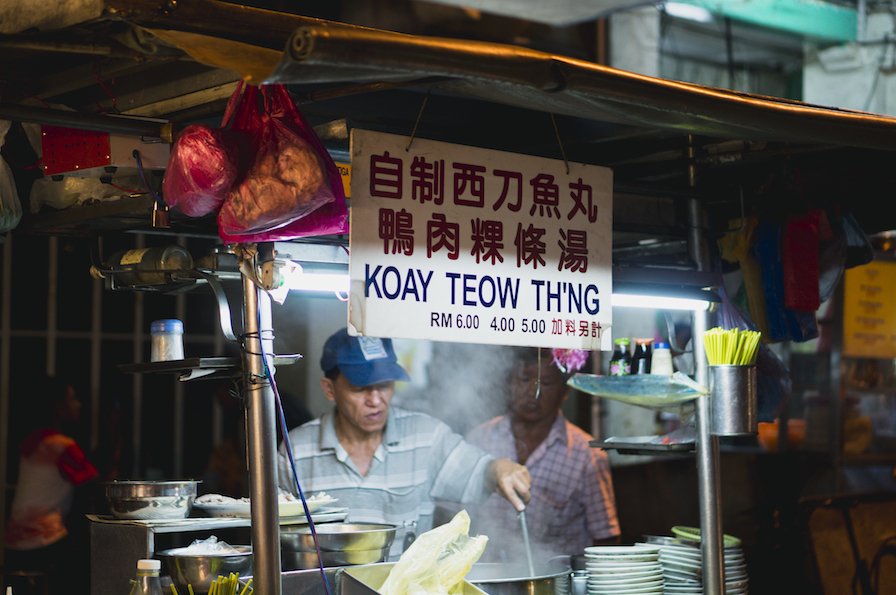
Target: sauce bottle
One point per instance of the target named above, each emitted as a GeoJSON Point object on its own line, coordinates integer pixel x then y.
{"type": "Point", "coordinates": [147, 581]}
{"type": "Point", "coordinates": [621, 361]}
{"type": "Point", "coordinates": [641, 360]}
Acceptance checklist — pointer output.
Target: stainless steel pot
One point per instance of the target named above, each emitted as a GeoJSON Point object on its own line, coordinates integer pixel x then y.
{"type": "Point", "coordinates": [552, 578]}
{"type": "Point", "coordinates": [150, 500]}
{"type": "Point", "coordinates": [200, 570]}
{"type": "Point", "coordinates": [341, 544]}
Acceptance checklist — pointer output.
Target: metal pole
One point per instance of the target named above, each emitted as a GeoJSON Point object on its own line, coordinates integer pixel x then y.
{"type": "Point", "coordinates": [707, 445]}
{"type": "Point", "coordinates": [261, 444]}
{"type": "Point", "coordinates": [112, 124]}
{"type": "Point", "coordinates": [5, 344]}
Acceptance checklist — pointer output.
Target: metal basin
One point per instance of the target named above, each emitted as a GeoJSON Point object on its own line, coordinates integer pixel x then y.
{"type": "Point", "coordinates": [148, 500]}
{"type": "Point", "coordinates": [200, 570]}
{"type": "Point", "coordinates": [338, 537]}
{"type": "Point", "coordinates": [341, 544]}
{"type": "Point", "coordinates": [304, 560]}
{"type": "Point", "coordinates": [515, 579]}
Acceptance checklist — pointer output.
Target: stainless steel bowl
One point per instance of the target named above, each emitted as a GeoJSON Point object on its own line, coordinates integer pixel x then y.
{"type": "Point", "coordinates": [294, 560]}
{"type": "Point", "coordinates": [341, 544]}
{"type": "Point", "coordinates": [497, 578]}
{"type": "Point", "coordinates": [148, 500]}
{"type": "Point", "coordinates": [200, 570]}
{"type": "Point", "coordinates": [338, 537]}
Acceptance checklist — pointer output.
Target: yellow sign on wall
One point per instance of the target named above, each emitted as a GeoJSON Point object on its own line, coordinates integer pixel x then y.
{"type": "Point", "coordinates": [345, 171]}
{"type": "Point", "coordinates": [869, 323]}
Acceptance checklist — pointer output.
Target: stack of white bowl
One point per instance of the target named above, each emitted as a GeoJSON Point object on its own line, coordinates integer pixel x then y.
{"type": "Point", "coordinates": [682, 565]}
{"type": "Point", "coordinates": [624, 570]}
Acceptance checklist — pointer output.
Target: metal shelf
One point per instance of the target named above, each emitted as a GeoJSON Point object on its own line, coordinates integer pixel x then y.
{"type": "Point", "coordinates": [196, 368]}
{"type": "Point", "coordinates": [129, 213]}
{"type": "Point", "coordinates": [635, 447]}
{"type": "Point", "coordinates": [116, 544]}
{"type": "Point", "coordinates": [190, 368]}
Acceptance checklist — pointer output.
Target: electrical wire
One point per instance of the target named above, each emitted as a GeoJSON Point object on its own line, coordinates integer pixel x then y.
{"type": "Point", "coordinates": [128, 190]}
{"type": "Point", "coordinates": [292, 461]}
{"type": "Point", "coordinates": [142, 173]}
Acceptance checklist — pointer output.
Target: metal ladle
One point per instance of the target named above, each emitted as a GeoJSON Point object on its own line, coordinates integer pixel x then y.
{"type": "Point", "coordinates": [525, 529]}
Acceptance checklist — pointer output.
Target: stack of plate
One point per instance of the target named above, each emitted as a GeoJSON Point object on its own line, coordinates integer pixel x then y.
{"type": "Point", "coordinates": [682, 565]}
{"type": "Point", "coordinates": [736, 581]}
{"type": "Point", "coordinates": [624, 570]}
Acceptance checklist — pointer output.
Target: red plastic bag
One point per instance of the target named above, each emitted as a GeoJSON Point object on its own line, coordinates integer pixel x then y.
{"type": "Point", "coordinates": [332, 218]}
{"type": "Point", "coordinates": [289, 179]}
{"type": "Point", "coordinates": [799, 260]}
{"type": "Point", "coordinates": [205, 163]}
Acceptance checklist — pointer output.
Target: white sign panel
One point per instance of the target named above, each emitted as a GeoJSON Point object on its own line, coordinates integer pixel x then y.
{"type": "Point", "coordinates": [457, 243]}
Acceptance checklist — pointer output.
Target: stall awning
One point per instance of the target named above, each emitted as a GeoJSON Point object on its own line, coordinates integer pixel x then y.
{"type": "Point", "coordinates": [522, 77]}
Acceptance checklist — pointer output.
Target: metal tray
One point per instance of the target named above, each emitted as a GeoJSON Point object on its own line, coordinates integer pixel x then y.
{"type": "Point", "coordinates": [635, 447]}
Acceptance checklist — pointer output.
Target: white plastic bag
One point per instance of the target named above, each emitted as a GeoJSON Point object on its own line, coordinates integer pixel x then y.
{"type": "Point", "coordinates": [10, 207]}
{"type": "Point", "coordinates": [74, 190]}
{"type": "Point", "coordinates": [437, 561]}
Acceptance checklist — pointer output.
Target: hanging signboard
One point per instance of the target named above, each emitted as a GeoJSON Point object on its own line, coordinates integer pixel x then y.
{"type": "Point", "coordinates": [869, 325]}
{"type": "Point", "coordinates": [457, 243]}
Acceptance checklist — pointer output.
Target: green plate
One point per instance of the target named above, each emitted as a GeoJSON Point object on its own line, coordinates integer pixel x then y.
{"type": "Point", "coordinates": [654, 391]}
{"type": "Point", "coordinates": [693, 534]}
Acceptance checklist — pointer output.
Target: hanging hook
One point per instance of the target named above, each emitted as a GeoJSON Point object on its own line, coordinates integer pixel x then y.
{"type": "Point", "coordinates": [562, 152]}
{"type": "Point", "coordinates": [417, 122]}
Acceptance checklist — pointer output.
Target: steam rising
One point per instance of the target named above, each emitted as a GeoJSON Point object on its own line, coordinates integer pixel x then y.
{"type": "Point", "coordinates": [464, 386]}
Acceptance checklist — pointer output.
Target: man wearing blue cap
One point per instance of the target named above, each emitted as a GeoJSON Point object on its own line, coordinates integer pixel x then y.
{"type": "Point", "coordinates": [386, 464]}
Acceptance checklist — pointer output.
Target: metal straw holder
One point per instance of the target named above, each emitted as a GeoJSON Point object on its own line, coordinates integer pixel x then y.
{"type": "Point", "coordinates": [733, 404]}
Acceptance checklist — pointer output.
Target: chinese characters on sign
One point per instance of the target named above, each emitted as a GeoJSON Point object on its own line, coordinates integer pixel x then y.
{"type": "Point", "coordinates": [458, 243]}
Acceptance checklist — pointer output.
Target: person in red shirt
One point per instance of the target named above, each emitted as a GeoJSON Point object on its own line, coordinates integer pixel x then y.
{"type": "Point", "coordinates": [51, 466]}
{"type": "Point", "coordinates": [573, 504]}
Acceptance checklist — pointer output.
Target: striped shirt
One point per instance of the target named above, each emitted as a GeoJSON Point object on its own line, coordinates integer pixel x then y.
{"type": "Point", "coordinates": [419, 460]}
{"type": "Point", "coordinates": [572, 501]}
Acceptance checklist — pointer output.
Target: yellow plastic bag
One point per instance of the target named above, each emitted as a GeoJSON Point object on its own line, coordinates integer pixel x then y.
{"type": "Point", "coordinates": [438, 561]}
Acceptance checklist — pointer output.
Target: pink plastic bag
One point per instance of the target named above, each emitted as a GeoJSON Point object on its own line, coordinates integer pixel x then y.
{"type": "Point", "coordinates": [205, 163]}
{"type": "Point", "coordinates": [291, 178]}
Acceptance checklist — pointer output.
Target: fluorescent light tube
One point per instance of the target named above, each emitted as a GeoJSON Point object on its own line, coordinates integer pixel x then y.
{"type": "Point", "coordinates": [328, 282]}
{"type": "Point", "coordinates": [340, 283]}
{"type": "Point", "coordinates": [687, 11]}
{"type": "Point", "coordinates": [625, 300]}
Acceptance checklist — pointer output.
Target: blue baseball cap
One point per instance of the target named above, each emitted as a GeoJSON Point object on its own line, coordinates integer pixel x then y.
{"type": "Point", "coordinates": [362, 360]}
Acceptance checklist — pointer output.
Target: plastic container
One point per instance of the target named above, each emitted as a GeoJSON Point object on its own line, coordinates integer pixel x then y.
{"type": "Point", "coordinates": [661, 362]}
{"type": "Point", "coordinates": [147, 581]}
{"type": "Point", "coordinates": [167, 340]}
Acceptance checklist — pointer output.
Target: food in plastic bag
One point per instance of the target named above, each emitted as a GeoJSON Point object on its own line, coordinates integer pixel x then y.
{"type": "Point", "coordinates": [646, 390]}
{"type": "Point", "coordinates": [201, 170]}
{"type": "Point", "coordinates": [438, 561]}
{"type": "Point", "coordinates": [206, 547]}
{"type": "Point", "coordinates": [284, 184]}
{"type": "Point", "coordinates": [289, 178]}
{"type": "Point", "coordinates": [10, 207]}
{"type": "Point", "coordinates": [71, 191]}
